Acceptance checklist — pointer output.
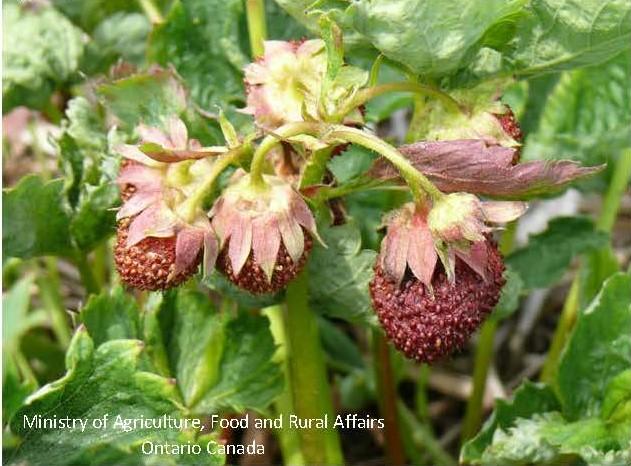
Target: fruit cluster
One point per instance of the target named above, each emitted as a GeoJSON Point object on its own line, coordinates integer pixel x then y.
{"type": "Point", "coordinates": [439, 272]}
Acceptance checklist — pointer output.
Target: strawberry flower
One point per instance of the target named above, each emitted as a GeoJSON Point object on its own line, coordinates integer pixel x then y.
{"type": "Point", "coordinates": [264, 233]}
{"type": "Point", "coordinates": [285, 84]}
{"type": "Point", "coordinates": [156, 176]}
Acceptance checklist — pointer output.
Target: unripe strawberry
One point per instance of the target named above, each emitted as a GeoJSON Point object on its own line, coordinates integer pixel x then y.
{"type": "Point", "coordinates": [265, 233]}
{"type": "Point", "coordinates": [428, 324]}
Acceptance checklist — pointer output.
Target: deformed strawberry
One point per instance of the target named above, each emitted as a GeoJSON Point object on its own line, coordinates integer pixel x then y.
{"type": "Point", "coordinates": [428, 308]}
{"type": "Point", "coordinates": [151, 263]}
{"type": "Point", "coordinates": [265, 233]}
{"type": "Point", "coordinates": [428, 324]}
{"type": "Point", "coordinates": [156, 248]}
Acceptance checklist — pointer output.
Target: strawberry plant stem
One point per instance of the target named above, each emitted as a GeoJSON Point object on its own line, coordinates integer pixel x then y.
{"type": "Point", "coordinates": [288, 439]}
{"type": "Point", "coordinates": [49, 285]}
{"type": "Point", "coordinates": [86, 274]}
{"type": "Point", "coordinates": [255, 10]}
{"type": "Point", "coordinates": [484, 356]}
{"type": "Point", "coordinates": [189, 208]}
{"type": "Point", "coordinates": [310, 389]}
{"type": "Point", "coordinates": [420, 186]}
{"type": "Point", "coordinates": [369, 93]}
{"type": "Point", "coordinates": [387, 395]}
{"type": "Point", "coordinates": [151, 10]}
{"type": "Point", "coordinates": [609, 212]}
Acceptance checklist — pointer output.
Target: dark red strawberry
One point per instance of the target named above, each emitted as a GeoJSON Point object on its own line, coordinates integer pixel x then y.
{"type": "Point", "coordinates": [429, 324]}
{"type": "Point", "coordinates": [252, 277]}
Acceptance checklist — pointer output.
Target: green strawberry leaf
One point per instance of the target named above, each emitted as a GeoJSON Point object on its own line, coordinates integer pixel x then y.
{"type": "Point", "coordinates": [121, 36]}
{"type": "Point", "coordinates": [339, 275]}
{"type": "Point", "coordinates": [587, 118]}
{"type": "Point", "coordinates": [545, 438]}
{"type": "Point", "coordinates": [90, 171]}
{"type": "Point", "coordinates": [555, 35]}
{"type": "Point", "coordinates": [529, 399]}
{"type": "Point", "coordinates": [35, 219]}
{"type": "Point", "coordinates": [144, 98]}
{"type": "Point", "coordinates": [219, 363]}
{"type": "Point", "coordinates": [41, 51]}
{"type": "Point", "coordinates": [89, 14]}
{"type": "Point", "coordinates": [351, 163]}
{"type": "Point", "coordinates": [510, 295]}
{"type": "Point", "coordinates": [547, 255]}
{"type": "Point", "coordinates": [598, 350]}
{"type": "Point", "coordinates": [194, 343]}
{"type": "Point", "coordinates": [203, 40]}
{"type": "Point", "coordinates": [616, 407]}
{"type": "Point", "coordinates": [248, 377]}
{"type": "Point", "coordinates": [99, 382]}
{"type": "Point", "coordinates": [111, 315]}
{"type": "Point", "coordinates": [432, 38]}
{"type": "Point", "coordinates": [342, 352]}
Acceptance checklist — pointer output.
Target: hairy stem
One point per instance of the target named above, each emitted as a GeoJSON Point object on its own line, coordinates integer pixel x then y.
{"type": "Point", "coordinates": [369, 93]}
{"type": "Point", "coordinates": [255, 10]}
{"type": "Point", "coordinates": [307, 372]}
{"type": "Point", "coordinates": [484, 357]}
{"type": "Point", "coordinates": [419, 185]}
{"type": "Point", "coordinates": [387, 395]}
{"type": "Point", "coordinates": [608, 214]}
{"type": "Point", "coordinates": [189, 209]}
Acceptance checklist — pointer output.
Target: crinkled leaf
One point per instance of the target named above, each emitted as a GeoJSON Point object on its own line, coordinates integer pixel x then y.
{"type": "Point", "coordinates": [473, 166]}
{"type": "Point", "coordinates": [147, 98]}
{"type": "Point", "coordinates": [35, 219]}
{"type": "Point", "coordinates": [89, 14]}
{"type": "Point", "coordinates": [41, 50]}
{"type": "Point", "coordinates": [90, 170]}
{"type": "Point", "coordinates": [529, 399]}
{"type": "Point", "coordinates": [100, 381]}
{"type": "Point", "coordinates": [120, 36]}
{"type": "Point", "coordinates": [111, 315]}
{"type": "Point", "coordinates": [587, 118]}
{"type": "Point", "coordinates": [339, 275]}
{"type": "Point", "coordinates": [201, 38]}
{"type": "Point", "coordinates": [434, 37]}
{"type": "Point", "coordinates": [598, 350]}
{"type": "Point", "coordinates": [308, 13]}
{"type": "Point", "coordinates": [94, 218]}
{"type": "Point", "coordinates": [547, 255]}
{"type": "Point", "coordinates": [544, 438]}
{"type": "Point", "coordinates": [557, 35]}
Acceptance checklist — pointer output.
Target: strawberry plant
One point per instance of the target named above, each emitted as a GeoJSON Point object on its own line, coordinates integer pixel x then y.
{"type": "Point", "coordinates": [328, 232]}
